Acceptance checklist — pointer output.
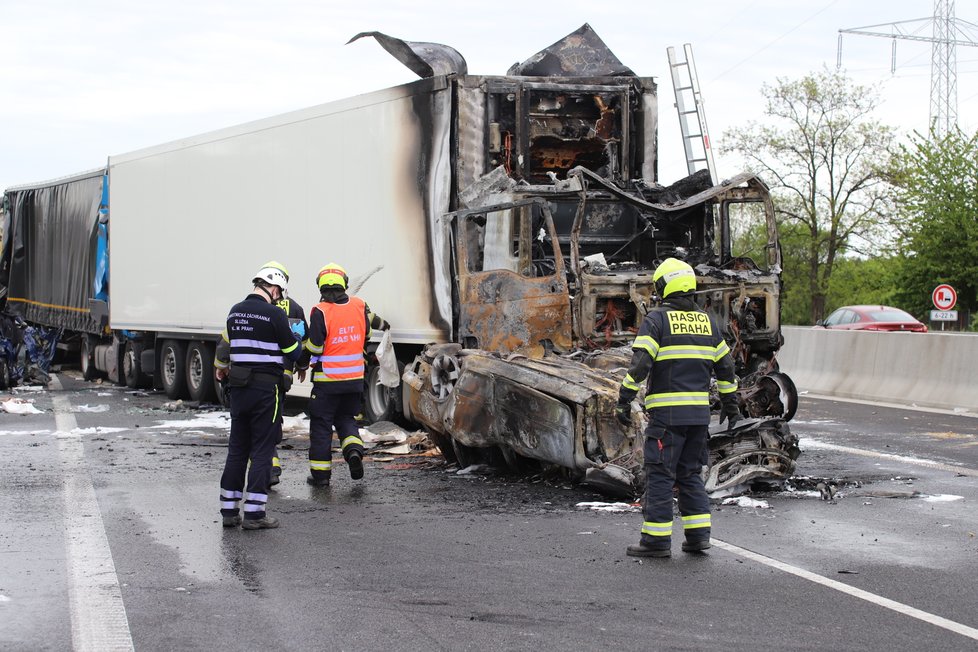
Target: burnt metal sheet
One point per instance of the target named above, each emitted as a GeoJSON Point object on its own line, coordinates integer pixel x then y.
{"type": "Point", "coordinates": [424, 59]}
{"type": "Point", "coordinates": [581, 53]}
{"type": "Point", "coordinates": [487, 410]}
{"type": "Point", "coordinates": [524, 310]}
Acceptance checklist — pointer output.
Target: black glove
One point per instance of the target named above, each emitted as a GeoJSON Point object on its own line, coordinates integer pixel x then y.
{"type": "Point", "coordinates": [730, 412]}
{"type": "Point", "coordinates": [623, 412]}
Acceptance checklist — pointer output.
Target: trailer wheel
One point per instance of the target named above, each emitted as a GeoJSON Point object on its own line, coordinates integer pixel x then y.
{"type": "Point", "coordinates": [132, 368]}
{"type": "Point", "coordinates": [200, 372]}
{"type": "Point", "coordinates": [380, 402]}
{"type": "Point", "coordinates": [173, 368]}
{"type": "Point", "coordinates": [87, 357]}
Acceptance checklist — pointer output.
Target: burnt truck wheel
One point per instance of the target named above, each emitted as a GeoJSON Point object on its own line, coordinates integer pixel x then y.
{"type": "Point", "coordinates": [173, 368]}
{"type": "Point", "coordinates": [380, 402]}
{"type": "Point", "coordinates": [200, 373]}
{"type": "Point", "coordinates": [132, 368]}
{"type": "Point", "coordinates": [87, 357]}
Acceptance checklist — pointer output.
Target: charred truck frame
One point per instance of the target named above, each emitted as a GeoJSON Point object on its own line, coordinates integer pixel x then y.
{"type": "Point", "coordinates": [553, 252]}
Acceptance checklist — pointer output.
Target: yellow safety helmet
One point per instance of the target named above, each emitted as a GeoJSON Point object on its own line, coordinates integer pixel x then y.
{"type": "Point", "coordinates": [673, 276]}
{"type": "Point", "coordinates": [332, 274]}
{"type": "Point", "coordinates": [274, 264]}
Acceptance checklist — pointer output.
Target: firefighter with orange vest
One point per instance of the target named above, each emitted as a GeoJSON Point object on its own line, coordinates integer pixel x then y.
{"type": "Point", "coordinates": [339, 327]}
{"type": "Point", "coordinates": [678, 349]}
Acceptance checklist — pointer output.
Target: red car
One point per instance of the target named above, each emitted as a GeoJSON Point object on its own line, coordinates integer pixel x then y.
{"type": "Point", "coordinates": [872, 318]}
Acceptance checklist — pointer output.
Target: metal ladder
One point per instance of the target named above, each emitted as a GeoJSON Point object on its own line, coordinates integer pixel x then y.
{"type": "Point", "coordinates": [692, 115]}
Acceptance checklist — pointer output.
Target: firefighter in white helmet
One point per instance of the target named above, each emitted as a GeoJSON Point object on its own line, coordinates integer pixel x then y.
{"type": "Point", "coordinates": [260, 344]}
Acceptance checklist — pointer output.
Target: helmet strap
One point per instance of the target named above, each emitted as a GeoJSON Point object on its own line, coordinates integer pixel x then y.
{"type": "Point", "coordinates": [266, 290]}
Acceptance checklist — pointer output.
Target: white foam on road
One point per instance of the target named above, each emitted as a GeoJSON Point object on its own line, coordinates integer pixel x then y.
{"type": "Point", "coordinates": [98, 615]}
{"type": "Point", "coordinates": [747, 501]}
{"type": "Point", "coordinates": [19, 406]}
{"type": "Point", "coordinates": [614, 508]}
{"type": "Point", "coordinates": [814, 444]}
{"type": "Point", "coordinates": [220, 420]}
{"type": "Point", "coordinates": [942, 498]}
{"type": "Point", "coordinates": [81, 432]}
{"type": "Point", "coordinates": [24, 432]}
{"type": "Point", "coordinates": [90, 408]}
{"type": "Point", "coordinates": [886, 603]}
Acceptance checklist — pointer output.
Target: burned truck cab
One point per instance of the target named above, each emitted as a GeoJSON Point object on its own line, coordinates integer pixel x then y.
{"type": "Point", "coordinates": [558, 226]}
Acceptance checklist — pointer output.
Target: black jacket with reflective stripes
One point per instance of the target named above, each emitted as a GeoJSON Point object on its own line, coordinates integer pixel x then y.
{"type": "Point", "coordinates": [260, 337]}
{"type": "Point", "coordinates": [678, 348]}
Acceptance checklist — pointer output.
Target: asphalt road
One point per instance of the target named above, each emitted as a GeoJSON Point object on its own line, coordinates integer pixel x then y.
{"type": "Point", "coordinates": [110, 538]}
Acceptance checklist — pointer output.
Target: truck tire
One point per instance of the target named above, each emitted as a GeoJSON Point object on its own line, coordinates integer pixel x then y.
{"type": "Point", "coordinates": [173, 368]}
{"type": "Point", "coordinates": [381, 403]}
{"type": "Point", "coordinates": [200, 372]}
{"type": "Point", "coordinates": [87, 357]}
{"type": "Point", "coordinates": [132, 368]}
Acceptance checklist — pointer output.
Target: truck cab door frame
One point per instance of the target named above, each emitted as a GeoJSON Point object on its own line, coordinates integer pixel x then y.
{"type": "Point", "coordinates": [512, 284]}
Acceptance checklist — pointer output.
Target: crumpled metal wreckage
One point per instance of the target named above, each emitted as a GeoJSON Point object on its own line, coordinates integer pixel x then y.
{"type": "Point", "coordinates": [26, 352]}
{"type": "Point", "coordinates": [553, 272]}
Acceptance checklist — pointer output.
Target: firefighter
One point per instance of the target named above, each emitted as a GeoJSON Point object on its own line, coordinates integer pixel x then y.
{"type": "Point", "coordinates": [297, 321]}
{"type": "Point", "coordinates": [261, 343]}
{"type": "Point", "coordinates": [339, 327]}
{"type": "Point", "coordinates": [677, 349]}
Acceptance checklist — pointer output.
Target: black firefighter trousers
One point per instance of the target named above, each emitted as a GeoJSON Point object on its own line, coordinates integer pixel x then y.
{"type": "Point", "coordinates": [326, 411]}
{"type": "Point", "coordinates": [255, 431]}
{"type": "Point", "coordinates": [674, 457]}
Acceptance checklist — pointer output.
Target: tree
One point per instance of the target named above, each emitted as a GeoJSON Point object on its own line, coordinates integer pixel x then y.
{"type": "Point", "coordinates": [824, 157]}
{"type": "Point", "coordinates": [937, 181]}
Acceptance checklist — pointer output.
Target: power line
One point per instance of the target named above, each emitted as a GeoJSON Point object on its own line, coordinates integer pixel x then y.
{"type": "Point", "coordinates": [772, 42]}
{"type": "Point", "coordinates": [947, 33]}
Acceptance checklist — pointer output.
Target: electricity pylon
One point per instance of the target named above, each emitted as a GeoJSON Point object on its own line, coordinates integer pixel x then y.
{"type": "Point", "coordinates": [946, 34]}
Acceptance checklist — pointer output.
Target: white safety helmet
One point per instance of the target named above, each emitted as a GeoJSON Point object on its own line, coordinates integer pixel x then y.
{"type": "Point", "coordinates": [272, 276]}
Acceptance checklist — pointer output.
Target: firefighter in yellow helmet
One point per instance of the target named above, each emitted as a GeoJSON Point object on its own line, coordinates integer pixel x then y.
{"type": "Point", "coordinates": [339, 327]}
{"type": "Point", "coordinates": [677, 350]}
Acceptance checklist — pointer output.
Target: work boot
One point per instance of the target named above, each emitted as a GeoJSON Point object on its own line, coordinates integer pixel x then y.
{"type": "Point", "coordinates": [356, 465]}
{"type": "Point", "coordinates": [275, 477]}
{"type": "Point", "coordinates": [232, 521]}
{"type": "Point", "coordinates": [642, 549]}
{"type": "Point", "coordinates": [696, 545]}
{"type": "Point", "coordinates": [265, 522]}
{"type": "Point", "coordinates": [321, 481]}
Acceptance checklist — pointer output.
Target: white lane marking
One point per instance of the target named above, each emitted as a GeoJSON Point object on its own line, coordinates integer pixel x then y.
{"type": "Point", "coordinates": [878, 600]}
{"type": "Point", "coordinates": [957, 412]}
{"type": "Point", "coordinates": [98, 615]}
{"type": "Point", "coordinates": [931, 464]}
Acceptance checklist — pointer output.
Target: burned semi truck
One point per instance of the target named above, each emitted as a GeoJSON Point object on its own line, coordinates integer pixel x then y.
{"type": "Point", "coordinates": [506, 226]}
{"type": "Point", "coordinates": [558, 228]}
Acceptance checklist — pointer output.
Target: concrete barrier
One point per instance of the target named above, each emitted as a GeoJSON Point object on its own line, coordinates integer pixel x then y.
{"type": "Point", "coordinates": [921, 369]}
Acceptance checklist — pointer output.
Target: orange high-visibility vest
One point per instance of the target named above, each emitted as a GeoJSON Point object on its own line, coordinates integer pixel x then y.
{"type": "Point", "coordinates": [346, 333]}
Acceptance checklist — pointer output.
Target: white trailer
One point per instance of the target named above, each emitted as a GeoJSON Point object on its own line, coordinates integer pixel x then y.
{"type": "Point", "coordinates": [192, 220]}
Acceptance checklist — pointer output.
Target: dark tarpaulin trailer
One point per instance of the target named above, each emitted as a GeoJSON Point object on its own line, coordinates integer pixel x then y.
{"type": "Point", "coordinates": [48, 264]}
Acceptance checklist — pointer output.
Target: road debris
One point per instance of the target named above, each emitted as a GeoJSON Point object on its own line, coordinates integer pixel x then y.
{"type": "Point", "coordinates": [746, 501]}
{"type": "Point", "coordinates": [616, 508]}
{"type": "Point", "coordinates": [19, 406]}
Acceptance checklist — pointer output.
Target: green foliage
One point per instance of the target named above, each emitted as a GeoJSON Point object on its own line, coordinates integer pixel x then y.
{"type": "Point", "coordinates": [821, 151]}
{"type": "Point", "coordinates": [938, 189]}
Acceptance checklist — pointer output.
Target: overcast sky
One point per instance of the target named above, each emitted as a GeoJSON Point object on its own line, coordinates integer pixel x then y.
{"type": "Point", "coordinates": [82, 80]}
